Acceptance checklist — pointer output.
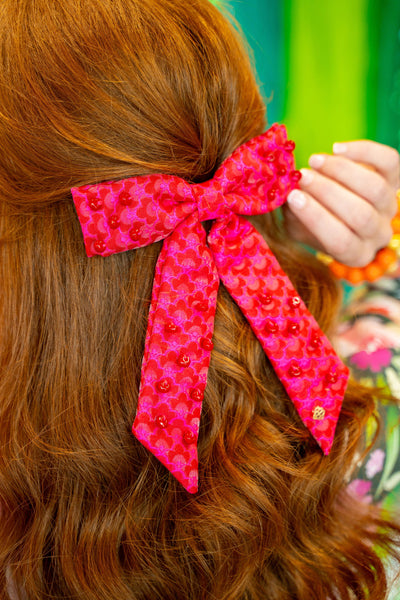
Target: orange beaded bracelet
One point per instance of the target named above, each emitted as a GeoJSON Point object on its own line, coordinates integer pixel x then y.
{"type": "Point", "coordinates": [384, 261]}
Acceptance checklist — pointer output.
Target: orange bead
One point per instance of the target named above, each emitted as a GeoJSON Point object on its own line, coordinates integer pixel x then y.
{"type": "Point", "coordinates": [386, 257]}
{"type": "Point", "coordinates": [355, 275]}
{"type": "Point", "coordinates": [338, 269]}
{"type": "Point", "coordinates": [383, 261]}
{"type": "Point", "coordinates": [396, 224]}
{"type": "Point", "coordinates": [373, 271]}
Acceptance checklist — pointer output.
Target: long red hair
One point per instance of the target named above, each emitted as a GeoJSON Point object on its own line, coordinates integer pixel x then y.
{"type": "Point", "coordinates": [97, 90]}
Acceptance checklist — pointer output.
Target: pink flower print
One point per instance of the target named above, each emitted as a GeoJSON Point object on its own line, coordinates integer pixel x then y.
{"type": "Point", "coordinates": [360, 488]}
{"type": "Point", "coordinates": [367, 333]}
{"type": "Point", "coordinates": [375, 463]}
{"type": "Point", "coordinates": [373, 361]}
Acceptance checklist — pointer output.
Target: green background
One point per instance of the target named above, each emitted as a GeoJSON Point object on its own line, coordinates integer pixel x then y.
{"type": "Point", "coordinates": [330, 70]}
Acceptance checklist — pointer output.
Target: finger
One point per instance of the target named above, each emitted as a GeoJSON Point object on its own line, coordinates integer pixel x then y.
{"type": "Point", "coordinates": [384, 159]}
{"type": "Point", "coordinates": [298, 231]}
{"type": "Point", "coordinates": [362, 181]}
{"type": "Point", "coordinates": [333, 236]}
{"type": "Point", "coordinates": [357, 214]}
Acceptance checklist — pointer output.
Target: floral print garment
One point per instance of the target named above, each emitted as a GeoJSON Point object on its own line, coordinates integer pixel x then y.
{"type": "Point", "coordinates": [368, 339]}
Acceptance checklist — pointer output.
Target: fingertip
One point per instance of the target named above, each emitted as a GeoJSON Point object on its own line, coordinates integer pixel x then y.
{"type": "Point", "coordinates": [296, 199]}
{"type": "Point", "coordinates": [307, 176]}
{"type": "Point", "coordinates": [339, 148]}
{"type": "Point", "coordinates": [316, 161]}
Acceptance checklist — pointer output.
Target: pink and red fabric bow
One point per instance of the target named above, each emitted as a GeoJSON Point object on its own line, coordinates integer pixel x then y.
{"type": "Point", "coordinates": [131, 213]}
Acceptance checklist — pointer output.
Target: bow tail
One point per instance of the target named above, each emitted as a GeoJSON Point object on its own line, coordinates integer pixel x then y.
{"type": "Point", "coordinates": [177, 351]}
{"type": "Point", "coordinates": [301, 355]}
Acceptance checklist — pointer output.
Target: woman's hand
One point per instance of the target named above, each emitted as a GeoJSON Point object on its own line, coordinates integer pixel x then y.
{"type": "Point", "coordinates": [347, 201]}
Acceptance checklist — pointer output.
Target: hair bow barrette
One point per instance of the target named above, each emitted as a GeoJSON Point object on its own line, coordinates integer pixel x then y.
{"type": "Point", "coordinates": [123, 215]}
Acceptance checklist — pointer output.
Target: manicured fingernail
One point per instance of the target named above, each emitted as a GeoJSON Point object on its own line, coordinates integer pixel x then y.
{"type": "Point", "coordinates": [316, 161]}
{"type": "Point", "coordinates": [296, 199]}
{"type": "Point", "coordinates": [306, 176]}
{"type": "Point", "coordinates": [339, 148]}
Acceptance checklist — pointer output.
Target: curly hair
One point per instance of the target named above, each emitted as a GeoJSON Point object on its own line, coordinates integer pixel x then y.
{"type": "Point", "coordinates": [95, 90]}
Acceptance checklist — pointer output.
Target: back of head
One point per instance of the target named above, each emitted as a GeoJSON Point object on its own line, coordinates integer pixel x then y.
{"type": "Point", "coordinates": [98, 89]}
{"type": "Point", "coordinates": [95, 90]}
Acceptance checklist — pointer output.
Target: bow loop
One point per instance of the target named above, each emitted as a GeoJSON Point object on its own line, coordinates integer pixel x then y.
{"type": "Point", "coordinates": [116, 216]}
{"type": "Point", "coordinates": [259, 175]}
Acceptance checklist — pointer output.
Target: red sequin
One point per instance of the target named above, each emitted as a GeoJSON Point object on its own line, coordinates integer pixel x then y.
{"type": "Point", "coordinates": [99, 246]}
{"type": "Point", "coordinates": [295, 370]}
{"type": "Point", "coordinates": [135, 232]}
{"type": "Point", "coordinates": [171, 327]}
{"type": "Point", "coordinates": [295, 176]}
{"type": "Point", "coordinates": [293, 327]}
{"type": "Point", "coordinates": [188, 437]}
{"type": "Point", "coordinates": [206, 344]}
{"type": "Point", "coordinates": [294, 302]}
{"type": "Point", "coordinates": [197, 395]}
{"type": "Point", "coordinates": [289, 146]}
{"type": "Point", "coordinates": [271, 326]}
{"type": "Point", "coordinates": [125, 198]}
{"type": "Point", "coordinates": [161, 421]}
{"type": "Point", "coordinates": [183, 360]}
{"type": "Point", "coordinates": [265, 299]}
{"type": "Point", "coordinates": [95, 203]}
{"type": "Point", "coordinates": [163, 385]}
{"type": "Point", "coordinates": [114, 222]}
{"type": "Point", "coordinates": [331, 377]}
{"type": "Point", "coordinates": [315, 340]}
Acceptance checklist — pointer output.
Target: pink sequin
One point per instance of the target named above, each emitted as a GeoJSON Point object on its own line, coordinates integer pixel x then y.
{"type": "Point", "coordinates": [128, 214]}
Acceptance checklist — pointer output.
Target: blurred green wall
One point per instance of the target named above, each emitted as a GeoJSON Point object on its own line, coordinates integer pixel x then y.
{"type": "Point", "coordinates": [331, 69]}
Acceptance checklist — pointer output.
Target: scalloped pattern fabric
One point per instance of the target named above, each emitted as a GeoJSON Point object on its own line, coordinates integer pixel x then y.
{"type": "Point", "coordinates": [123, 215]}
